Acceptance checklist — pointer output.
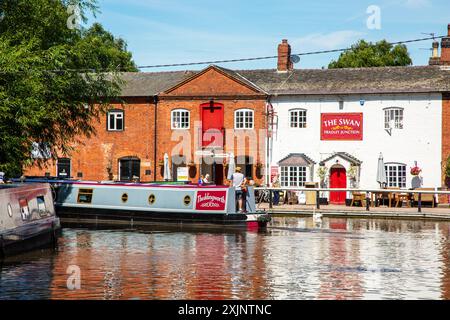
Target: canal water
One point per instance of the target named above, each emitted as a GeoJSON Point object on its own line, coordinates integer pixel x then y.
{"type": "Point", "coordinates": [296, 258]}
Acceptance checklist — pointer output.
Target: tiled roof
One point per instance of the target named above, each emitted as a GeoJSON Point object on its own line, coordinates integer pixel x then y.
{"type": "Point", "coordinates": [352, 80]}
{"type": "Point", "coordinates": [343, 155]}
{"type": "Point", "coordinates": [296, 159]}
{"type": "Point", "coordinates": [422, 79]}
{"type": "Point", "coordinates": [143, 84]}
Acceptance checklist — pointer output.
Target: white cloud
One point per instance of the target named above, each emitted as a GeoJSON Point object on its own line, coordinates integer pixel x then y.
{"type": "Point", "coordinates": [327, 41]}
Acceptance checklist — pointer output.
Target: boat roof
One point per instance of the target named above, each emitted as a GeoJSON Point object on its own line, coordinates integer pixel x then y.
{"type": "Point", "coordinates": [159, 184]}
{"type": "Point", "coordinates": [144, 185]}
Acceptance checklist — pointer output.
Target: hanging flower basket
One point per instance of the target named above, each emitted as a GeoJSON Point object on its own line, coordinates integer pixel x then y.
{"type": "Point", "coordinates": [191, 164]}
{"type": "Point", "coordinates": [415, 171]}
{"type": "Point", "coordinates": [352, 171]}
{"type": "Point", "coordinates": [322, 172]}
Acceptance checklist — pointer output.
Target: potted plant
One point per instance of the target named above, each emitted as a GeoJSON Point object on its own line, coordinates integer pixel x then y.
{"type": "Point", "coordinates": [352, 173]}
{"type": "Point", "coordinates": [322, 172]}
{"type": "Point", "coordinates": [416, 180]}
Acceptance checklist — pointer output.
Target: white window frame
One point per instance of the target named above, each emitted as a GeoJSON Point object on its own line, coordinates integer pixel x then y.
{"type": "Point", "coordinates": [395, 174]}
{"type": "Point", "coordinates": [395, 114]}
{"type": "Point", "coordinates": [118, 114]}
{"type": "Point", "coordinates": [301, 118]}
{"type": "Point", "coordinates": [184, 119]}
{"type": "Point", "coordinates": [244, 119]}
{"type": "Point", "coordinates": [293, 176]}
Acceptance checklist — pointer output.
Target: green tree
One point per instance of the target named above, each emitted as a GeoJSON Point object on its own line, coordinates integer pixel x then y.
{"type": "Point", "coordinates": [55, 81]}
{"type": "Point", "coordinates": [447, 169]}
{"type": "Point", "coordinates": [366, 54]}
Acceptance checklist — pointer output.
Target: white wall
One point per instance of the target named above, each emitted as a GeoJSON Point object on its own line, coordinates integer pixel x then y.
{"type": "Point", "coordinates": [419, 140]}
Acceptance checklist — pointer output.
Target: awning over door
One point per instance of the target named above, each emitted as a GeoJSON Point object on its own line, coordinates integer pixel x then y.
{"type": "Point", "coordinates": [345, 156]}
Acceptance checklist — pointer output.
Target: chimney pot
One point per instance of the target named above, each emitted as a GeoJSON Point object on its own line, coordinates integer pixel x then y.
{"type": "Point", "coordinates": [435, 49]}
{"type": "Point", "coordinates": [448, 29]}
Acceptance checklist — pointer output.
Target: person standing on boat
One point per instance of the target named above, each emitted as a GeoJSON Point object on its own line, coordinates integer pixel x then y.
{"type": "Point", "coordinates": [276, 193]}
{"type": "Point", "coordinates": [238, 182]}
{"type": "Point", "coordinates": [2, 176]}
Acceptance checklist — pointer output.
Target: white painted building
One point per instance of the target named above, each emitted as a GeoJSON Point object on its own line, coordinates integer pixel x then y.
{"type": "Point", "coordinates": [339, 121]}
{"type": "Point", "coordinates": [405, 128]}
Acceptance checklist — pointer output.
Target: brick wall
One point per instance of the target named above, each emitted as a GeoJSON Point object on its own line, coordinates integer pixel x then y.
{"type": "Point", "coordinates": [100, 154]}
{"type": "Point", "coordinates": [95, 155]}
{"type": "Point", "coordinates": [445, 139]}
{"type": "Point", "coordinates": [168, 138]}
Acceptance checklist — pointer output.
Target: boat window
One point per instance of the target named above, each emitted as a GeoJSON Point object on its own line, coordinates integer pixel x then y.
{"type": "Point", "coordinates": [187, 200]}
{"type": "Point", "coordinates": [24, 209]}
{"type": "Point", "coordinates": [124, 197]}
{"type": "Point", "coordinates": [41, 206]}
{"type": "Point", "coordinates": [10, 212]}
{"type": "Point", "coordinates": [85, 195]}
{"type": "Point", "coordinates": [151, 199]}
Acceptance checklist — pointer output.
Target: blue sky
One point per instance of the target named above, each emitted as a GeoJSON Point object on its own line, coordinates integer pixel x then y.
{"type": "Point", "coordinates": [175, 31]}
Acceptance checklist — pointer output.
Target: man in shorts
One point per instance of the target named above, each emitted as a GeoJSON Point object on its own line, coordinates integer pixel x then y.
{"type": "Point", "coordinates": [238, 182]}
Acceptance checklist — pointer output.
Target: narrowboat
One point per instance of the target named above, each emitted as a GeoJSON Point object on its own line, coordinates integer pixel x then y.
{"type": "Point", "coordinates": [27, 218]}
{"type": "Point", "coordinates": [144, 204]}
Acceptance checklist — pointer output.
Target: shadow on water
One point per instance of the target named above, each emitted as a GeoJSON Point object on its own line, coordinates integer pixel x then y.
{"type": "Point", "coordinates": [162, 228]}
{"type": "Point", "coordinates": [27, 276]}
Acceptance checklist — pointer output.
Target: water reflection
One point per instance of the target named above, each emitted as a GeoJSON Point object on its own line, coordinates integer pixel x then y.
{"type": "Point", "coordinates": [295, 259]}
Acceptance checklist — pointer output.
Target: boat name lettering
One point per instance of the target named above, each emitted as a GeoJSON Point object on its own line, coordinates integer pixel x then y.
{"type": "Point", "coordinates": [211, 200]}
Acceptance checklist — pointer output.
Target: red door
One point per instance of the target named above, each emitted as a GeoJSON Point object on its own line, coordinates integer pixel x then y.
{"type": "Point", "coordinates": [338, 179]}
{"type": "Point", "coordinates": [212, 124]}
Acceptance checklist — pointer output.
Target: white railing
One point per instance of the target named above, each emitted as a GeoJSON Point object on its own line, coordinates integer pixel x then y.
{"type": "Point", "coordinates": [368, 193]}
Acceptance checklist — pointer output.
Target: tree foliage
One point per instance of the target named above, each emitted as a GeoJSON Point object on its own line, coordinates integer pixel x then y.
{"type": "Point", "coordinates": [447, 168]}
{"type": "Point", "coordinates": [366, 54]}
{"type": "Point", "coordinates": [55, 81]}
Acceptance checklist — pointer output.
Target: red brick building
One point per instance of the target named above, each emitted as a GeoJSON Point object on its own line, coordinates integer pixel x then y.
{"type": "Point", "coordinates": [197, 118]}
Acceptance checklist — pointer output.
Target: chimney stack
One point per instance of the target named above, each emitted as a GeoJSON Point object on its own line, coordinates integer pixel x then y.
{"type": "Point", "coordinates": [435, 60]}
{"type": "Point", "coordinates": [284, 57]}
{"type": "Point", "coordinates": [445, 48]}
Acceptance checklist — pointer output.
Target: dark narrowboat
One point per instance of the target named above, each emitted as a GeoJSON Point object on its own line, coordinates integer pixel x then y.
{"type": "Point", "coordinates": [27, 218]}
